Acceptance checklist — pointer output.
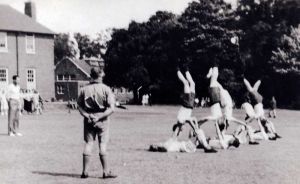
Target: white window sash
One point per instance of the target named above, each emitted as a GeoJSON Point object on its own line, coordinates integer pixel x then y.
{"type": "Point", "coordinates": [30, 51]}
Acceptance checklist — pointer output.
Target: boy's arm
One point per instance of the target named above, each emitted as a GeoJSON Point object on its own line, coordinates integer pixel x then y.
{"type": "Point", "coordinates": [80, 103]}
{"type": "Point", "coordinates": [110, 109]}
{"type": "Point", "coordinates": [83, 112]}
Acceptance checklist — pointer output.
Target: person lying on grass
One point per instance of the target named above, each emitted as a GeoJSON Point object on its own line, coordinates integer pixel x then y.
{"type": "Point", "coordinates": [223, 141]}
{"type": "Point", "coordinates": [174, 145]}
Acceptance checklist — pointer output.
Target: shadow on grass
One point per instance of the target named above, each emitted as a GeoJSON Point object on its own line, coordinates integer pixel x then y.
{"type": "Point", "coordinates": [60, 174]}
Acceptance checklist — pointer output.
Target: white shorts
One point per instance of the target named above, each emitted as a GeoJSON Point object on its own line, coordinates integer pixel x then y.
{"type": "Point", "coordinates": [259, 110]}
{"type": "Point", "coordinates": [216, 111]}
{"type": "Point", "coordinates": [249, 110]}
{"type": "Point", "coordinates": [228, 111]}
{"type": "Point", "coordinates": [184, 114]}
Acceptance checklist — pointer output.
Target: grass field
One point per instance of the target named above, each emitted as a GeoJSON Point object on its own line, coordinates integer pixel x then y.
{"type": "Point", "coordinates": [51, 151]}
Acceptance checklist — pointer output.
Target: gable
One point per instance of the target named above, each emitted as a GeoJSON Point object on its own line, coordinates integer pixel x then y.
{"type": "Point", "coordinates": [67, 65]}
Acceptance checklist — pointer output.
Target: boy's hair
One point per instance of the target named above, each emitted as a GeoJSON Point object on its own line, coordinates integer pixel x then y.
{"type": "Point", "coordinates": [236, 142]}
{"type": "Point", "coordinates": [15, 77]}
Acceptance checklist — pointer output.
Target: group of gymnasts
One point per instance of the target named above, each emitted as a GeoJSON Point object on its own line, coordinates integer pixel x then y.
{"type": "Point", "coordinates": [221, 114]}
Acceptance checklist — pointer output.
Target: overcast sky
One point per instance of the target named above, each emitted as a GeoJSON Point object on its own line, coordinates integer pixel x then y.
{"type": "Point", "coordinates": [91, 16]}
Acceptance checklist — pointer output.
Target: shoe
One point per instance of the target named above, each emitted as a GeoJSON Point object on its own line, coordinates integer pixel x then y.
{"type": "Point", "coordinates": [153, 148]}
{"type": "Point", "coordinates": [84, 175]}
{"type": "Point", "coordinates": [253, 143]}
{"type": "Point", "coordinates": [11, 134]}
{"type": "Point", "coordinates": [19, 134]}
{"type": "Point", "coordinates": [109, 175]}
{"type": "Point", "coordinates": [278, 136]}
{"type": "Point", "coordinates": [272, 138]}
{"type": "Point", "coordinates": [211, 150]}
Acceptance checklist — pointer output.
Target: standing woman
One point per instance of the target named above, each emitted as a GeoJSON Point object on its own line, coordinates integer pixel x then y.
{"type": "Point", "coordinates": [13, 98]}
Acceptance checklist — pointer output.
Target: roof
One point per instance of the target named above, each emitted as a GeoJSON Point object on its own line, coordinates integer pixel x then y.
{"type": "Point", "coordinates": [80, 64]}
{"type": "Point", "coordinates": [13, 20]}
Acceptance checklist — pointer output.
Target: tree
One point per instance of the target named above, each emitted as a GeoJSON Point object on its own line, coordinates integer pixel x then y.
{"type": "Point", "coordinates": [88, 47]}
{"type": "Point", "coordinates": [209, 27]}
{"type": "Point", "coordinates": [145, 55]}
{"type": "Point", "coordinates": [286, 58]}
{"type": "Point", "coordinates": [61, 48]}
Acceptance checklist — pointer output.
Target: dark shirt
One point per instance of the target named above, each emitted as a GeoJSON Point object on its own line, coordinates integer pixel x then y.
{"type": "Point", "coordinates": [188, 100]}
{"type": "Point", "coordinates": [255, 97]}
{"type": "Point", "coordinates": [273, 104]}
{"type": "Point", "coordinates": [214, 95]}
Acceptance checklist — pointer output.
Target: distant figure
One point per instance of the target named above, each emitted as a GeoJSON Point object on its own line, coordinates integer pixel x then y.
{"type": "Point", "coordinates": [3, 103]}
{"type": "Point", "coordinates": [150, 99]}
{"type": "Point", "coordinates": [196, 102]}
{"type": "Point", "coordinates": [13, 98]}
{"type": "Point", "coordinates": [145, 99]}
{"type": "Point", "coordinates": [273, 106]}
{"type": "Point", "coordinates": [202, 102]}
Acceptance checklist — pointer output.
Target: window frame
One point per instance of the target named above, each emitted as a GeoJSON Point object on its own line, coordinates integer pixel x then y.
{"type": "Point", "coordinates": [60, 90]}
{"type": "Point", "coordinates": [6, 72]}
{"type": "Point", "coordinates": [29, 51]}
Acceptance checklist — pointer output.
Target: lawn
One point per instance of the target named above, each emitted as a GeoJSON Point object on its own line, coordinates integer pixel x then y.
{"type": "Point", "coordinates": [51, 151]}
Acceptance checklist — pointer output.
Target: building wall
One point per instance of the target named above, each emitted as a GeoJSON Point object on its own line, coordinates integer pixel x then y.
{"type": "Point", "coordinates": [42, 61]}
{"type": "Point", "coordinates": [8, 59]}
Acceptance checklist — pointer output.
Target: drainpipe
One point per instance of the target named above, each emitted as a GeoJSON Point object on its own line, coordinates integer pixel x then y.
{"type": "Point", "coordinates": [17, 52]}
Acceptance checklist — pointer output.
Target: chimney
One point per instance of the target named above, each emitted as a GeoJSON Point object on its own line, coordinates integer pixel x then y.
{"type": "Point", "coordinates": [30, 10]}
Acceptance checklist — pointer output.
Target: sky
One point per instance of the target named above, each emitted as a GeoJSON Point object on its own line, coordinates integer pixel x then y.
{"type": "Point", "coordinates": [92, 16]}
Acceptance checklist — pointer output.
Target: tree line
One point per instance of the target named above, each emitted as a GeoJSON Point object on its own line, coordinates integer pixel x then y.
{"type": "Point", "coordinates": [260, 39]}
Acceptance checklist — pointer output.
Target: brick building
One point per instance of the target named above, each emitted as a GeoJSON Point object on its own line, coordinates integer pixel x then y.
{"type": "Point", "coordinates": [26, 49]}
{"type": "Point", "coordinates": [72, 74]}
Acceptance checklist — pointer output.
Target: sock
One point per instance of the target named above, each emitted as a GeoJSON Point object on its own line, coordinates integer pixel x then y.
{"type": "Point", "coordinates": [85, 163]}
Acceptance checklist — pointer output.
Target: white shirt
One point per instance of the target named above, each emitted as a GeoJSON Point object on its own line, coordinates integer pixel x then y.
{"type": "Point", "coordinates": [13, 92]}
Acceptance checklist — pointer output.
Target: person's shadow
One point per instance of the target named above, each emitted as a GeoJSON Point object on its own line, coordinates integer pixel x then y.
{"type": "Point", "coordinates": [60, 174]}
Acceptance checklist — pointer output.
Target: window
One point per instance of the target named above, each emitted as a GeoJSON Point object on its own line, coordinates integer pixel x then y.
{"type": "Point", "coordinates": [31, 81]}
{"type": "Point", "coordinates": [30, 44]}
{"type": "Point", "coordinates": [73, 77]}
{"type": "Point", "coordinates": [3, 77]}
{"type": "Point", "coordinates": [60, 90]}
{"type": "Point", "coordinates": [3, 42]}
{"type": "Point", "coordinates": [59, 77]}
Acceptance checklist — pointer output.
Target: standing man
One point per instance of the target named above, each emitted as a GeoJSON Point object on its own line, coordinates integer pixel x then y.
{"type": "Point", "coordinates": [273, 107]}
{"type": "Point", "coordinates": [14, 99]}
{"type": "Point", "coordinates": [96, 103]}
